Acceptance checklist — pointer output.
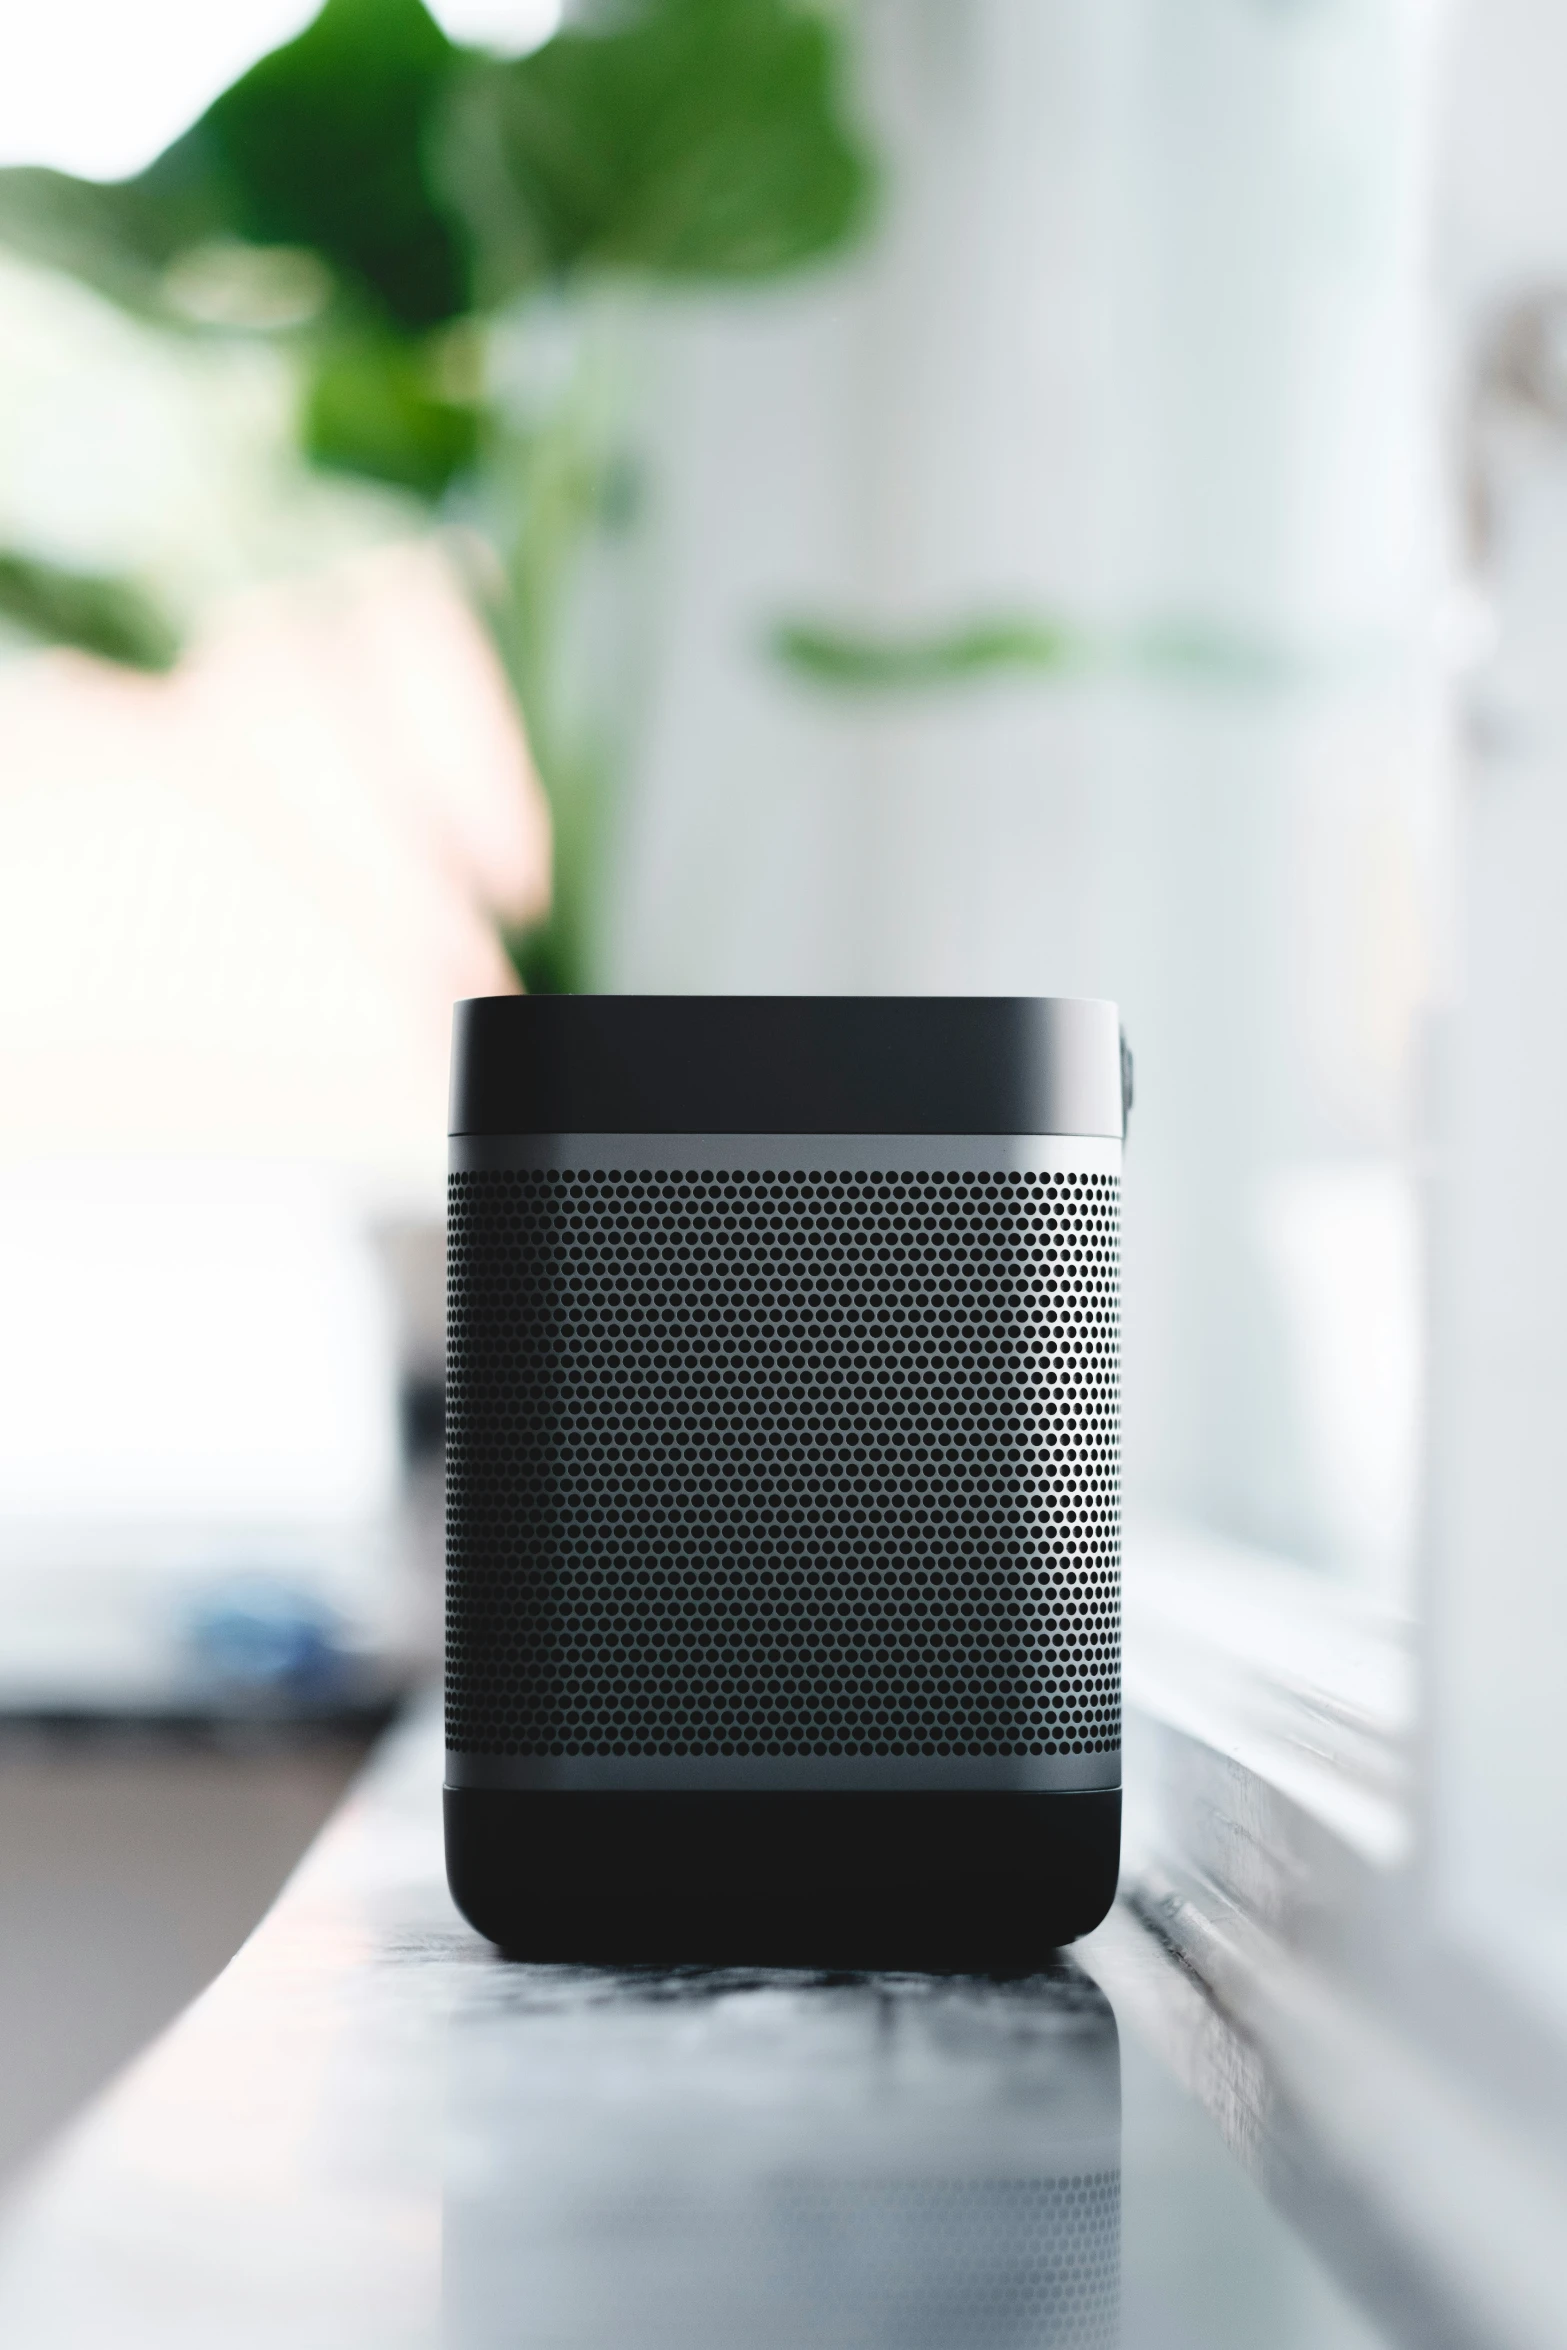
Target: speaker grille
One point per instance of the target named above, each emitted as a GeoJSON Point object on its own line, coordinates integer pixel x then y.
{"type": "Point", "coordinates": [773, 1463]}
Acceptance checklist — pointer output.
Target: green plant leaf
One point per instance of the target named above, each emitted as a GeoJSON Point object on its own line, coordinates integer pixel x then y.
{"type": "Point", "coordinates": [372, 409]}
{"type": "Point", "coordinates": [856, 660]}
{"type": "Point", "coordinates": [117, 238]}
{"type": "Point", "coordinates": [1187, 648]}
{"type": "Point", "coordinates": [95, 612]}
{"type": "Point", "coordinates": [859, 660]}
{"type": "Point", "coordinates": [690, 139]}
{"type": "Point", "coordinates": [320, 146]}
{"type": "Point", "coordinates": [542, 960]}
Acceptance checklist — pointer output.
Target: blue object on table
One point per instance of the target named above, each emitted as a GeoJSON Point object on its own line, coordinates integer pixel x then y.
{"type": "Point", "coordinates": [259, 1632]}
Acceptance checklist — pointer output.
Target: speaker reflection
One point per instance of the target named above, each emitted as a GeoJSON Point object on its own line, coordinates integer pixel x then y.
{"type": "Point", "coordinates": [991, 2264]}
{"type": "Point", "coordinates": [904, 2164]}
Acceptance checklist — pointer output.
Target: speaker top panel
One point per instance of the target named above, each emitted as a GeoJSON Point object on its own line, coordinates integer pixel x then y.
{"type": "Point", "coordinates": [896, 1065]}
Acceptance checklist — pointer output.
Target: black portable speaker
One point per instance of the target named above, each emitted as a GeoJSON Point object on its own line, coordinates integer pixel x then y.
{"type": "Point", "coordinates": [783, 1535]}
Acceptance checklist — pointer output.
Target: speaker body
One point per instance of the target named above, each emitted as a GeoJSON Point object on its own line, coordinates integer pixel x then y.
{"type": "Point", "coordinates": [783, 1534]}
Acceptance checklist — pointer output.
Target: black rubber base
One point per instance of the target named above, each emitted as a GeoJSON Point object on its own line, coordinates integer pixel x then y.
{"type": "Point", "coordinates": [981, 1883]}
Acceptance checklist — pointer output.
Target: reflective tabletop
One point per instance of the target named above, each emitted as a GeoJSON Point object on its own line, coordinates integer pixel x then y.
{"type": "Point", "coordinates": [373, 2130]}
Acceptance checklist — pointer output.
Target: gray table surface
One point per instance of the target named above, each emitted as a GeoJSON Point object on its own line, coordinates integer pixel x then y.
{"type": "Point", "coordinates": [372, 2130]}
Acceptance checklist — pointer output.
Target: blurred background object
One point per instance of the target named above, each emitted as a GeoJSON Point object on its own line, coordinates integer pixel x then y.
{"type": "Point", "coordinates": [449, 245]}
{"type": "Point", "coordinates": [237, 901]}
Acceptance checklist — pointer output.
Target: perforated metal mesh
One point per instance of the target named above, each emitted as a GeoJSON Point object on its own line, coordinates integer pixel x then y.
{"type": "Point", "coordinates": [783, 1463]}
{"type": "Point", "coordinates": [993, 2264]}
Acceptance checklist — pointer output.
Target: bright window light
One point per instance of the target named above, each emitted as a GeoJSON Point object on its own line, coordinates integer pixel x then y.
{"type": "Point", "coordinates": [510, 27]}
{"type": "Point", "coordinates": [98, 87]}
{"type": "Point", "coordinates": [188, 1340]}
{"type": "Point", "coordinates": [1343, 1244]}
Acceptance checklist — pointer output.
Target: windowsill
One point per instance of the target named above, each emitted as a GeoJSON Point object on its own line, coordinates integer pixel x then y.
{"type": "Point", "coordinates": [1401, 2092]}
{"type": "Point", "coordinates": [1302, 1681]}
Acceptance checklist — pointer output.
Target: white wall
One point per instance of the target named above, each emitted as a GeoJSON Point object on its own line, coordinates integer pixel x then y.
{"type": "Point", "coordinates": [1143, 337]}
{"type": "Point", "coordinates": [1498, 1615]}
